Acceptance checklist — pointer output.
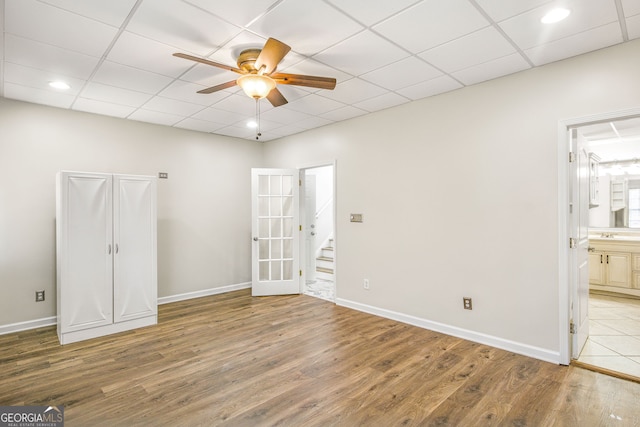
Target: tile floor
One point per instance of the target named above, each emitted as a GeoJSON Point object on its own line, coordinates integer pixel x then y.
{"type": "Point", "coordinates": [614, 334]}
{"type": "Point", "coordinates": [321, 288]}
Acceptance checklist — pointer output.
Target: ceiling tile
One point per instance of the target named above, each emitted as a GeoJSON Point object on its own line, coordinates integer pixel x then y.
{"type": "Point", "coordinates": [104, 108]}
{"type": "Point", "coordinates": [361, 53]}
{"type": "Point", "coordinates": [430, 88]}
{"type": "Point", "coordinates": [633, 27]}
{"type": "Point", "coordinates": [182, 25]}
{"type": "Point", "coordinates": [49, 58]}
{"type": "Point", "coordinates": [631, 7]}
{"type": "Point", "coordinates": [37, 96]}
{"type": "Point", "coordinates": [114, 95]}
{"type": "Point", "coordinates": [303, 25]}
{"type": "Point", "coordinates": [39, 79]}
{"type": "Point", "coordinates": [527, 31]}
{"type": "Point", "coordinates": [44, 23]}
{"type": "Point", "coordinates": [219, 116]}
{"type": "Point", "coordinates": [382, 102]}
{"type": "Point", "coordinates": [284, 115]}
{"type": "Point", "coordinates": [172, 106]}
{"type": "Point", "coordinates": [146, 54]}
{"type": "Point", "coordinates": [115, 74]}
{"type": "Point", "coordinates": [238, 12]}
{"type": "Point", "coordinates": [597, 38]}
{"type": "Point", "coordinates": [314, 105]}
{"type": "Point", "coordinates": [199, 125]}
{"type": "Point", "coordinates": [188, 92]}
{"type": "Point", "coordinates": [492, 69]}
{"type": "Point", "coordinates": [155, 117]}
{"type": "Point", "coordinates": [237, 132]}
{"type": "Point", "coordinates": [473, 49]}
{"type": "Point", "coordinates": [431, 23]}
{"type": "Point", "coordinates": [370, 12]}
{"type": "Point", "coordinates": [313, 122]}
{"type": "Point", "coordinates": [406, 72]}
{"type": "Point", "coordinates": [344, 113]}
{"type": "Point", "coordinates": [291, 92]}
{"type": "Point", "coordinates": [352, 91]}
{"type": "Point", "coordinates": [500, 10]}
{"type": "Point", "coordinates": [112, 12]}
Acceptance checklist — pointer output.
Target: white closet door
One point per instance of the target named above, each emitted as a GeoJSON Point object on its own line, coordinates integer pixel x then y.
{"type": "Point", "coordinates": [135, 258]}
{"type": "Point", "coordinates": [85, 301]}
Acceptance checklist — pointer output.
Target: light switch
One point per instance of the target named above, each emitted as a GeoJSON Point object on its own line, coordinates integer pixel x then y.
{"type": "Point", "coordinates": [355, 217]}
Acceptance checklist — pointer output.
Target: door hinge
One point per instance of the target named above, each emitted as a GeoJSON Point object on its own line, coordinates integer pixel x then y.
{"type": "Point", "coordinates": [572, 157]}
{"type": "Point", "coordinates": [572, 243]}
{"type": "Point", "coordinates": [299, 183]}
{"type": "Point", "coordinates": [572, 328]}
{"type": "Point", "coordinates": [300, 227]}
{"type": "Point", "coordinates": [300, 273]}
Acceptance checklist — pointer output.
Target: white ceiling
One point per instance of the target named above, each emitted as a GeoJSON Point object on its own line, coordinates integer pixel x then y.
{"type": "Point", "coordinates": [117, 54]}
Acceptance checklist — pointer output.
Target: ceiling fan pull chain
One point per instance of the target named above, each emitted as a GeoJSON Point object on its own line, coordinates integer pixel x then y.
{"type": "Point", "coordinates": [258, 134]}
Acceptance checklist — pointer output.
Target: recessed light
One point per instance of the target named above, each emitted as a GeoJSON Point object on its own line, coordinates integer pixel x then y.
{"type": "Point", "coordinates": [252, 124]}
{"type": "Point", "coordinates": [59, 85]}
{"type": "Point", "coordinates": [555, 15]}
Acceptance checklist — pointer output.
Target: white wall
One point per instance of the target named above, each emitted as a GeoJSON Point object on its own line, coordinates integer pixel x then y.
{"type": "Point", "coordinates": [460, 196]}
{"type": "Point", "coordinates": [204, 209]}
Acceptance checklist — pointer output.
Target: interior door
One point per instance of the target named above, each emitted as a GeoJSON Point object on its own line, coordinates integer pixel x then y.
{"type": "Point", "coordinates": [580, 253]}
{"type": "Point", "coordinates": [135, 257]}
{"type": "Point", "coordinates": [276, 232]}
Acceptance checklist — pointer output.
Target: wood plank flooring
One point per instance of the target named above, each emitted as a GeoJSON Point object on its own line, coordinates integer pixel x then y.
{"type": "Point", "coordinates": [235, 360]}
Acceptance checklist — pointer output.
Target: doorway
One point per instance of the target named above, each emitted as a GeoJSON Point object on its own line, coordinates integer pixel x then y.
{"type": "Point", "coordinates": [612, 341]}
{"type": "Point", "coordinates": [318, 224]}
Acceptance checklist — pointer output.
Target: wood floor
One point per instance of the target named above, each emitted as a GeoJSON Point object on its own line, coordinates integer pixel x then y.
{"type": "Point", "coordinates": [235, 360]}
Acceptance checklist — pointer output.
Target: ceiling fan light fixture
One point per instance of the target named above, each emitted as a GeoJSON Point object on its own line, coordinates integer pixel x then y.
{"type": "Point", "coordinates": [256, 86]}
{"type": "Point", "coordinates": [555, 15]}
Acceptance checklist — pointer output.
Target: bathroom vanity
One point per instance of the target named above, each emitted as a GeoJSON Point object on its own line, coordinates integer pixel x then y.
{"type": "Point", "coordinates": [614, 263]}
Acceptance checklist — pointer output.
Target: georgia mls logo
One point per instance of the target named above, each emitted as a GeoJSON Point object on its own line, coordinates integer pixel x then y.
{"type": "Point", "coordinates": [32, 416]}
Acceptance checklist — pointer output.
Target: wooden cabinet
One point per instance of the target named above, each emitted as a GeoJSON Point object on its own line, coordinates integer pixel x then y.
{"type": "Point", "coordinates": [106, 254]}
{"type": "Point", "coordinates": [615, 266]}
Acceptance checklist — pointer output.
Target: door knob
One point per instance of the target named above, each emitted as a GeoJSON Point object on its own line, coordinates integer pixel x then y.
{"type": "Point", "coordinates": [255, 239]}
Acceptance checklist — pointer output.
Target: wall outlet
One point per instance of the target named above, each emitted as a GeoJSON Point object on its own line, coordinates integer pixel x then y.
{"type": "Point", "coordinates": [39, 296]}
{"type": "Point", "coordinates": [365, 284]}
{"type": "Point", "coordinates": [163, 175]}
{"type": "Point", "coordinates": [467, 304]}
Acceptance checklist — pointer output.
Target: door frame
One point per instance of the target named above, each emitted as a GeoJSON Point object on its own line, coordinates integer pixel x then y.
{"type": "Point", "coordinates": [564, 254]}
{"type": "Point", "coordinates": [303, 219]}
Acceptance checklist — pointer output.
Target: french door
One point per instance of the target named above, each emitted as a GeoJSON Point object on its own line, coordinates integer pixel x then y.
{"type": "Point", "coordinates": [275, 232]}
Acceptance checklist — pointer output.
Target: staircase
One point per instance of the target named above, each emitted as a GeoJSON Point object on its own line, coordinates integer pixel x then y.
{"type": "Point", "coordinates": [324, 263]}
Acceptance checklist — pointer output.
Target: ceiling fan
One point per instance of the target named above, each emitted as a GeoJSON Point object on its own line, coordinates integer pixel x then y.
{"type": "Point", "coordinates": [257, 68]}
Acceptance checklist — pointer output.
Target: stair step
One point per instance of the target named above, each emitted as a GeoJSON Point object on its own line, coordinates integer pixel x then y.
{"type": "Point", "coordinates": [324, 270]}
{"type": "Point", "coordinates": [327, 248]}
{"type": "Point", "coordinates": [325, 258]}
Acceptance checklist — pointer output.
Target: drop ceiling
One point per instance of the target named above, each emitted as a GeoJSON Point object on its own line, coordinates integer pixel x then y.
{"type": "Point", "coordinates": [117, 55]}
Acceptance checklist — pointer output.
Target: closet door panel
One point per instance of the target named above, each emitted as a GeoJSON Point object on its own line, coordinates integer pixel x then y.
{"type": "Point", "coordinates": [135, 258]}
{"type": "Point", "coordinates": [86, 261]}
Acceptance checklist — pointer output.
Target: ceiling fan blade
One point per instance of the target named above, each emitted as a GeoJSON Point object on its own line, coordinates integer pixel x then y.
{"type": "Point", "coordinates": [276, 98]}
{"type": "Point", "coordinates": [207, 62]}
{"type": "Point", "coordinates": [272, 53]}
{"type": "Point", "coordinates": [216, 88]}
{"type": "Point", "coordinates": [302, 80]}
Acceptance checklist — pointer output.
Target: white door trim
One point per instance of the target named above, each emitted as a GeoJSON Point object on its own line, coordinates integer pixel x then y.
{"type": "Point", "coordinates": [563, 218]}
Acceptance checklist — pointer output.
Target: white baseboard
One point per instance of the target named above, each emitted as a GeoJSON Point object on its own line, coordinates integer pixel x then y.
{"type": "Point", "coordinates": [512, 346]}
{"type": "Point", "coordinates": [49, 321]}
{"type": "Point", "coordinates": [29, 324]}
{"type": "Point", "coordinates": [203, 293]}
